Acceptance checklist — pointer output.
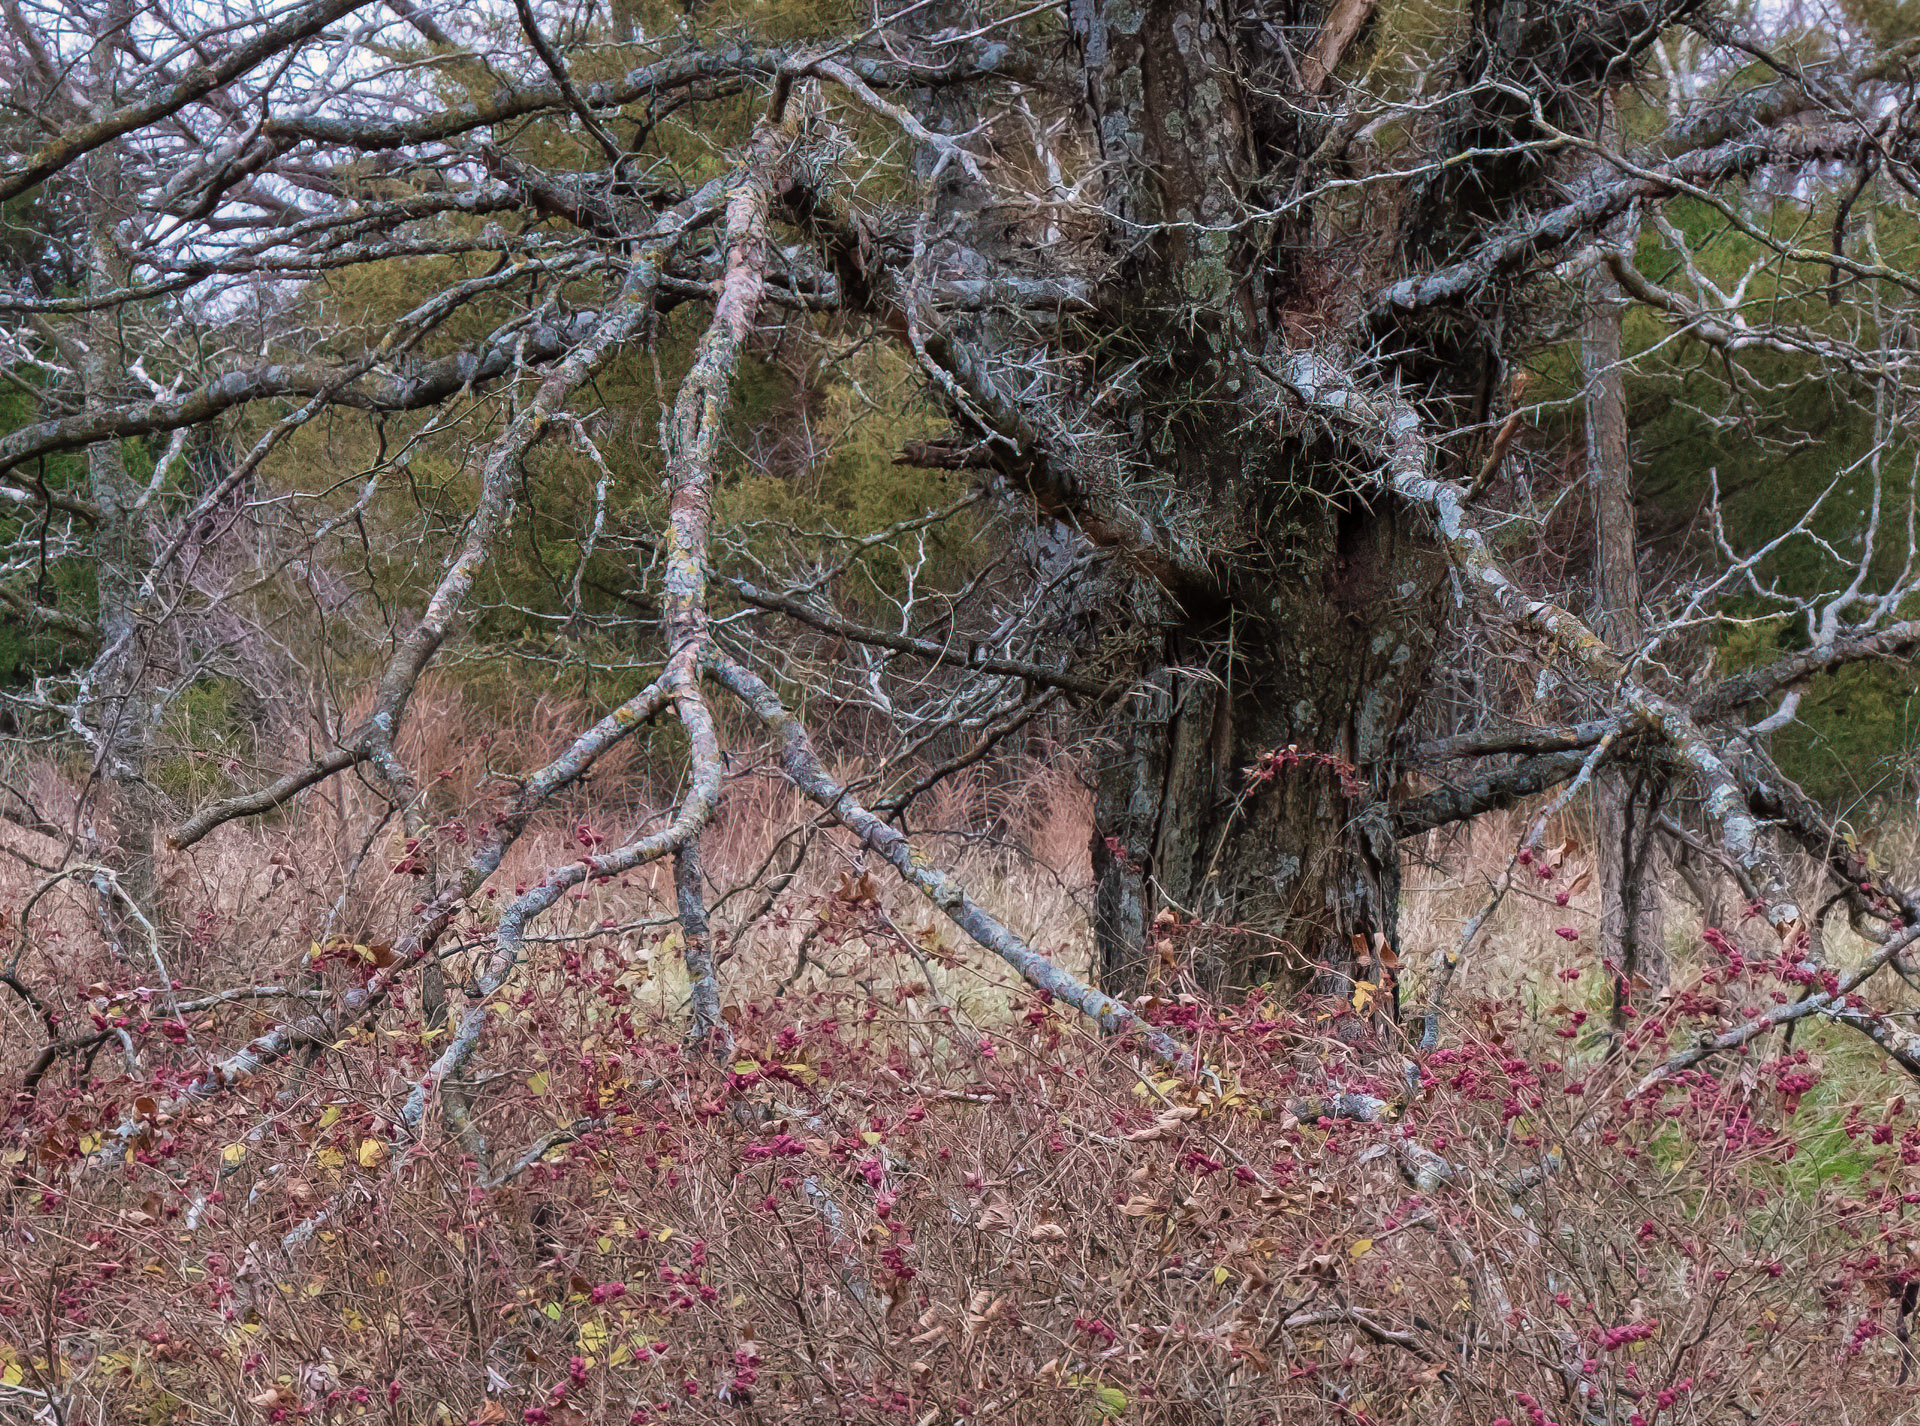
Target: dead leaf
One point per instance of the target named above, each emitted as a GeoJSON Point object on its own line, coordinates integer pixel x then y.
{"type": "Point", "coordinates": [998, 1218]}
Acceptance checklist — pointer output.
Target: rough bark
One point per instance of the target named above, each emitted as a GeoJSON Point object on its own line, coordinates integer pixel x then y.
{"type": "Point", "coordinates": [120, 715]}
{"type": "Point", "coordinates": [1305, 632]}
{"type": "Point", "coordinates": [1247, 787]}
{"type": "Point", "coordinates": [1626, 802]}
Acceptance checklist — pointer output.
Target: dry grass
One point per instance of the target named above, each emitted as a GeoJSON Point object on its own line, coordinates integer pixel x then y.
{"type": "Point", "coordinates": [246, 903]}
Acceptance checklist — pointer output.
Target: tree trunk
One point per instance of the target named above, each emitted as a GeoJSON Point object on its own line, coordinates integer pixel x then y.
{"type": "Point", "coordinates": [120, 714]}
{"type": "Point", "coordinates": [1248, 790]}
{"type": "Point", "coordinates": [1625, 803]}
{"type": "Point", "coordinates": [1244, 786]}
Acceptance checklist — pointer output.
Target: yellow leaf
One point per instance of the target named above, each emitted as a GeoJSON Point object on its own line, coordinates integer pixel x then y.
{"type": "Point", "coordinates": [371, 1152]}
{"type": "Point", "coordinates": [804, 1073]}
{"type": "Point", "coordinates": [89, 1142]}
{"type": "Point", "coordinates": [12, 1375]}
{"type": "Point", "coordinates": [746, 1066]}
{"type": "Point", "coordinates": [593, 1336]}
{"type": "Point", "coordinates": [1363, 996]}
{"type": "Point", "coordinates": [1361, 1247]}
{"type": "Point", "coordinates": [233, 1153]}
{"type": "Point", "coordinates": [605, 1245]}
{"type": "Point", "coordinates": [869, 1138]}
{"type": "Point", "coordinates": [537, 1083]}
{"type": "Point", "coordinates": [622, 1354]}
{"type": "Point", "coordinates": [1220, 1276]}
{"type": "Point", "coordinates": [329, 1116]}
{"type": "Point", "coordinates": [330, 1159]}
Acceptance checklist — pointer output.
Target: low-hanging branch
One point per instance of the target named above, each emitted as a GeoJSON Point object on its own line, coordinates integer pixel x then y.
{"type": "Point", "coordinates": [804, 768]}
{"type": "Point", "coordinates": [1538, 238]}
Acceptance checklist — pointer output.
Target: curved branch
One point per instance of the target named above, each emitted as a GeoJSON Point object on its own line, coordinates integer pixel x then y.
{"type": "Point", "coordinates": [1480, 743]}
{"type": "Point", "coordinates": [45, 618]}
{"type": "Point", "coordinates": [1896, 641]}
{"type": "Point", "coordinates": [726, 69]}
{"type": "Point", "coordinates": [1486, 793]}
{"type": "Point", "coordinates": [265, 799]}
{"type": "Point", "coordinates": [1547, 234]}
{"type": "Point", "coordinates": [427, 385]}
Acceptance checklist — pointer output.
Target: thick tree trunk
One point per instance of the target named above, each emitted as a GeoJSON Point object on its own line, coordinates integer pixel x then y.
{"type": "Point", "coordinates": [1244, 786]}
{"type": "Point", "coordinates": [1247, 791]}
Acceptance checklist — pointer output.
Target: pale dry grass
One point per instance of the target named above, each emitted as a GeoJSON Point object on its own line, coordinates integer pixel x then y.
{"type": "Point", "coordinates": [1450, 874]}
{"type": "Point", "coordinates": [247, 903]}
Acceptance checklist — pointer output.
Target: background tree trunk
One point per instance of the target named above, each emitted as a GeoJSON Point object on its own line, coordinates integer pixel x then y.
{"type": "Point", "coordinates": [120, 715]}
{"type": "Point", "coordinates": [1632, 928]}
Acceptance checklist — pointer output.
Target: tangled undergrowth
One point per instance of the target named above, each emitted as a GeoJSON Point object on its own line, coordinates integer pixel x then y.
{"type": "Point", "coordinates": [911, 1191]}
{"type": "Point", "coordinates": [885, 1209]}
